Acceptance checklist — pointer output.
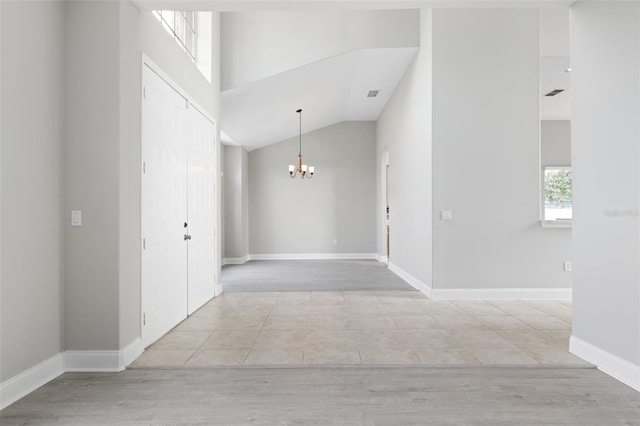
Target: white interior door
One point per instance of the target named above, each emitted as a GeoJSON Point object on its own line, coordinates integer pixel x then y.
{"type": "Point", "coordinates": [201, 210]}
{"type": "Point", "coordinates": [164, 205]}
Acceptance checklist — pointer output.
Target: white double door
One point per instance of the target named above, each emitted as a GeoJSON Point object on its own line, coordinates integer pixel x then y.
{"type": "Point", "coordinates": [178, 207]}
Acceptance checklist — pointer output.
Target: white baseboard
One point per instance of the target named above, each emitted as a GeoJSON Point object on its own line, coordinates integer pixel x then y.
{"type": "Point", "coordinates": [314, 256]}
{"type": "Point", "coordinates": [382, 259]}
{"type": "Point", "coordinates": [98, 361]}
{"type": "Point", "coordinates": [92, 361]}
{"type": "Point", "coordinates": [29, 380]}
{"type": "Point", "coordinates": [130, 353]}
{"type": "Point", "coordinates": [217, 291]}
{"type": "Point", "coordinates": [235, 260]}
{"type": "Point", "coordinates": [410, 279]}
{"type": "Point", "coordinates": [616, 367]}
{"type": "Point", "coordinates": [502, 294]}
{"type": "Point", "coordinates": [483, 293]}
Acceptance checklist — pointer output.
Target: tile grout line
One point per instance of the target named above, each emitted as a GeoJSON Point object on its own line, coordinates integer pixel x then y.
{"type": "Point", "coordinates": [393, 314]}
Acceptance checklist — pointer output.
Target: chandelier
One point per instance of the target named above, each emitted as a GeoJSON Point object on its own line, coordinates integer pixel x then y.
{"type": "Point", "coordinates": [302, 169]}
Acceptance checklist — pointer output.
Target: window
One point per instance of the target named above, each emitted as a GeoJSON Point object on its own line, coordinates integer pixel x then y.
{"type": "Point", "coordinates": [192, 32]}
{"type": "Point", "coordinates": [558, 195]}
{"type": "Point", "coordinates": [183, 26]}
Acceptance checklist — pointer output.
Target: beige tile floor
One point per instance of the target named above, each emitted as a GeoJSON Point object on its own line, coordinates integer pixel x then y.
{"type": "Point", "coordinates": [370, 328]}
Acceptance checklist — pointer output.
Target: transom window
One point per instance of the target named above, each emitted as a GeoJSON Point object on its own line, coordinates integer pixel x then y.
{"type": "Point", "coordinates": [183, 26]}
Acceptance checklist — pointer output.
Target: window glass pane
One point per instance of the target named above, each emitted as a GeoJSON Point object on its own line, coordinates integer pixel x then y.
{"type": "Point", "coordinates": [179, 29]}
{"type": "Point", "coordinates": [167, 16]}
{"type": "Point", "coordinates": [189, 42]}
{"type": "Point", "coordinates": [189, 18]}
{"type": "Point", "coordinates": [194, 29]}
{"type": "Point", "coordinates": [182, 27]}
{"type": "Point", "coordinates": [558, 193]}
{"type": "Point", "coordinates": [166, 26]}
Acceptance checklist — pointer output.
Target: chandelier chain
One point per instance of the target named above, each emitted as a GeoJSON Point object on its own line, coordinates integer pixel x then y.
{"type": "Point", "coordinates": [300, 132]}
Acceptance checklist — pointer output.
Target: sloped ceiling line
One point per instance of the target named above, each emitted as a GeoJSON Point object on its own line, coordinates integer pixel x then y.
{"type": "Point", "coordinates": [329, 91]}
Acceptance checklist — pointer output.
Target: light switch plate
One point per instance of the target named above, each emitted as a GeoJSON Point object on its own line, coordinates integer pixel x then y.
{"type": "Point", "coordinates": [445, 215]}
{"type": "Point", "coordinates": [76, 217]}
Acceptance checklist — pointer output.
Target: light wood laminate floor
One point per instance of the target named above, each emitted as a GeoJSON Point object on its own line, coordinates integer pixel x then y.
{"type": "Point", "coordinates": [331, 396]}
{"type": "Point", "coordinates": [347, 358]}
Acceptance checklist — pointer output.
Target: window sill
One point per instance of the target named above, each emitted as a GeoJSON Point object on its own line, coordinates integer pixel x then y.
{"type": "Point", "coordinates": [556, 224]}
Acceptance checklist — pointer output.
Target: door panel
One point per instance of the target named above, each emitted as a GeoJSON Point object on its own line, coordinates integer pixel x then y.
{"type": "Point", "coordinates": [164, 203]}
{"type": "Point", "coordinates": [201, 210]}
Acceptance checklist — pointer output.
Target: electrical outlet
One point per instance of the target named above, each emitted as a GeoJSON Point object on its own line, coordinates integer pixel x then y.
{"type": "Point", "coordinates": [76, 218]}
{"type": "Point", "coordinates": [567, 266]}
{"type": "Point", "coordinates": [445, 215]}
{"type": "Point", "coordinates": [335, 241]}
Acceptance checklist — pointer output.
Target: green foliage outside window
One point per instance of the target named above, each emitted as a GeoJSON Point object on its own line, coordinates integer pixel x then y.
{"type": "Point", "coordinates": [557, 187]}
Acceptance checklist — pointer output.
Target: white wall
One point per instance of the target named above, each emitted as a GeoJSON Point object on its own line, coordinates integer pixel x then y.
{"type": "Point", "coordinates": [404, 131]}
{"type": "Point", "coordinates": [295, 216]}
{"type": "Point", "coordinates": [236, 202]}
{"type": "Point", "coordinates": [554, 31]}
{"type": "Point", "coordinates": [259, 44]}
{"type": "Point", "coordinates": [605, 50]}
{"type": "Point", "coordinates": [486, 153]}
{"type": "Point", "coordinates": [31, 134]}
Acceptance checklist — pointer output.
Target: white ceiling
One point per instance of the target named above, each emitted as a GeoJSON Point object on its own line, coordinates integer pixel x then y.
{"type": "Point", "coordinates": [328, 91]}
{"type": "Point", "coordinates": [244, 5]}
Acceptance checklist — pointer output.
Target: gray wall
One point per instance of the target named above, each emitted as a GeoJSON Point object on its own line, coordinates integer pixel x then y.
{"type": "Point", "coordinates": [102, 158]}
{"type": "Point", "coordinates": [236, 202]}
{"type": "Point", "coordinates": [486, 153]}
{"type": "Point", "coordinates": [555, 150]}
{"type": "Point", "coordinates": [129, 172]}
{"type": "Point", "coordinates": [78, 71]}
{"type": "Point", "coordinates": [295, 216]}
{"type": "Point", "coordinates": [555, 141]}
{"type": "Point", "coordinates": [91, 175]}
{"type": "Point", "coordinates": [404, 131]}
{"type": "Point", "coordinates": [605, 86]}
{"type": "Point", "coordinates": [31, 219]}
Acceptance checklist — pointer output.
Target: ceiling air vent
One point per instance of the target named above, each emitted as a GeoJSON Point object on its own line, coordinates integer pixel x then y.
{"type": "Point", "coordinates": [554, 92]}
{"type": "Point", "coordinates": [372, 93]}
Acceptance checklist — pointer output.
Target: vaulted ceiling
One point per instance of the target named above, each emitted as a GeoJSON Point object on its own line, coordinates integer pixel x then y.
{"type": "Point", "coordinates": [334, 88]}
{"type": "Point", "coordinates": [329, 91]}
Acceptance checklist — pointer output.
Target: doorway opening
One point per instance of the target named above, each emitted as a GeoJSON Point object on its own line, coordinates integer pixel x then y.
{"type": "Point", "coordinates": [387, 230]}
